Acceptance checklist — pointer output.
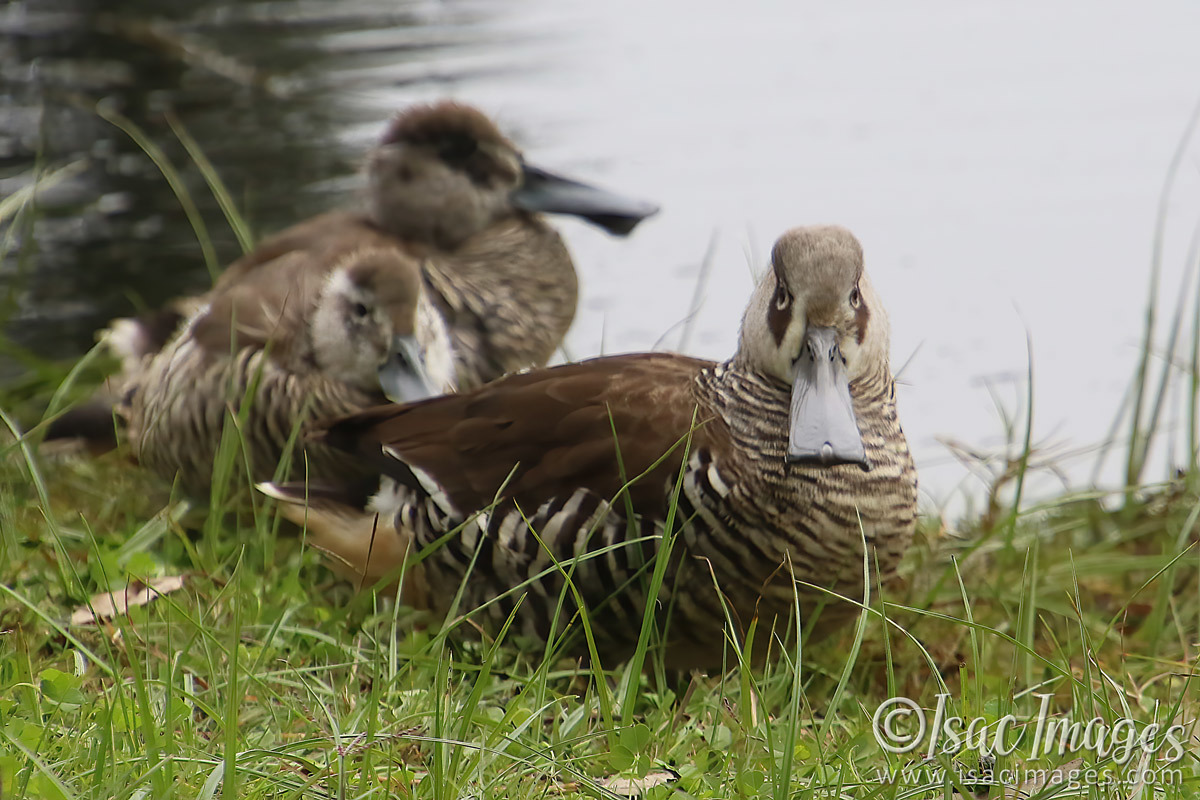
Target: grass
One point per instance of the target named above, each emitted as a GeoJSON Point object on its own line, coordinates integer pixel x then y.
{"type": "Point", "coordinates": [265, 677]}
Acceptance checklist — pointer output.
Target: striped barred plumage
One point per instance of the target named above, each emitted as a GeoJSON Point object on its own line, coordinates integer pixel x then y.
{"type": "Point", "coordinates": [751, 521]}
{"type": "Point", "coordinates": [178, 410]}
{"type": "Point", "coordinates": [286, 346]}
{"type": "Point", "coordinates": [507, 298]}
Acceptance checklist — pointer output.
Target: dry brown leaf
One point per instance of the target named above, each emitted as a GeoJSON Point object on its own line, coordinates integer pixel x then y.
{"type": "Point", "coordinates": [636, 787]}
{"type": "Point", "coordinates": [107, 605]}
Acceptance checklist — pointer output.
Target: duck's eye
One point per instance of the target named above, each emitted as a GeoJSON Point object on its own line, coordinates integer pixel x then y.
{"type": "Point", "coordinates": [855, 298]}
{"type": "Point", "coordinates": [783, 298]}
{"type": "Point", "coordinates": [360, 310]}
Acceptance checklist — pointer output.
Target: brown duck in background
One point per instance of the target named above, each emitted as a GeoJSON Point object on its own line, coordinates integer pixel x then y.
{"type": "Point", "coordinates": [447, 188]}
{"type": "Point", "coordinates": [794, 454]}
{"type": "Point", "coordinates": [285, 344]}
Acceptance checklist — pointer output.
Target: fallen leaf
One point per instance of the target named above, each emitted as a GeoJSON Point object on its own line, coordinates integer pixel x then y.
{"type": "Point", "coordinates": [636, 787]}
{"type": "Point", "coordinates": [107, 605]}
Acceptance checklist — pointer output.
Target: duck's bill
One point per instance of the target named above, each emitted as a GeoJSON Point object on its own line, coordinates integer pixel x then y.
{"type": "Point", "coordinates": [545, 192]}
{"type": "Point", "coordinates": [823, 430]}
{"type": "Point", "coordinates": [403, 377]}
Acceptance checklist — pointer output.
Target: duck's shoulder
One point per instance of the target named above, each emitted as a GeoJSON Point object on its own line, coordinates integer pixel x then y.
{"type": "Point", "coordinates": [269, 307]}
{"type": "Point", "coordinates": [323, 239]}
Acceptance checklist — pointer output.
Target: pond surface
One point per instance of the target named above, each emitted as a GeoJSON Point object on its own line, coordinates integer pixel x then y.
{"type": "Point", "coordinates": [1002, 165]}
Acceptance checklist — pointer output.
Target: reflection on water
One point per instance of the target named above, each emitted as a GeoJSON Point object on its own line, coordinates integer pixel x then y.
{"type": "Point", "coordinates": [1001, 163]}
{"type": "Point", "coordinates": [268, 90]}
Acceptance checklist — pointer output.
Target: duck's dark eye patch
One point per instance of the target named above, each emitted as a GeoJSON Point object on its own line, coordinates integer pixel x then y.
{"type": "Point", "coordinates": [783, 297]}
{"type": "Point", "coordinates": [463, 154]}
{"type": "Point", "coordinates": [779, 315]}
{"type": "Point", "coordinates": [862, 317]}
{"type": "Point", "coordinates": [455, 150]}
{"type": "Point", "coordinates": [481, 170]}
{"type": "Point", "coordinates": [360, 310]}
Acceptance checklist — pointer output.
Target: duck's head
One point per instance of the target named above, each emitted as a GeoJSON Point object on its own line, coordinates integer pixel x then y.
{"type": "Point", "coordinates": [443, 172]}
{"type": "Point", "coordinates": [814, 323]}
{"type": "Point", "coordinates": [365, 327]}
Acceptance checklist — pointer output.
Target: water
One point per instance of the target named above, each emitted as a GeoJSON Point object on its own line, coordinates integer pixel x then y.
{"type": "Point", "coordinates": [1002, 165]}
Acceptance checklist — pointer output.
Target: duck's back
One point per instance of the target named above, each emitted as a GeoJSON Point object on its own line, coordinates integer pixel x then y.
{"type": "Point", "coordinates": [324, 240]}
{"type": "Point", "coordinates": [568, 452]}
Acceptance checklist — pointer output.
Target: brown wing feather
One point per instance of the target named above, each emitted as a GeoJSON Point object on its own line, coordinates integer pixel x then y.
{"type": "Point", "coordinates": [325, 238]}
{"type": "Point", "coordinates": [269, 304]}
{"type": "Point", "coordinates": [556, 425]}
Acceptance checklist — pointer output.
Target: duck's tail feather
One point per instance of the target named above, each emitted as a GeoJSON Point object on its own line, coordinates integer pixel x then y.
{"type": "Point", "coordinates": [361, 546]}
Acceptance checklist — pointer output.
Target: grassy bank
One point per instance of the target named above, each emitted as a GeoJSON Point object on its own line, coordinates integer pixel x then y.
{"type": "Point", "coordinates": [264, 677]}
{"type": "Point", "coordinates": [259, 675]}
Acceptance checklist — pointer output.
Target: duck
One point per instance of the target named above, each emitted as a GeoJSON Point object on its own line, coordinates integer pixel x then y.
{"type": "Point", "coordinates": [447, 188]}
{"type": "Point", "coordinates": [444, 185]}
{"type": "Point", "coordinates": [763, 482]}
{"type": "Point", "coordinates": [286, 344]}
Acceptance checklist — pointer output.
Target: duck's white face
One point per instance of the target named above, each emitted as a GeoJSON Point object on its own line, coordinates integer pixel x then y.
{"type": "Point", "coordinates": [815, 323]}
{"type": "Point", "coordinates": [351, 332]}
{"type": "Point", "coordinates": [370, 328]}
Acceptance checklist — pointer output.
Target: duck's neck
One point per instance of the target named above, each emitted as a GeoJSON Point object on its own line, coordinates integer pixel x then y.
{"type": "Point", "coordinates": [873, 386]}
{"type": "Point", "coordinates": [757, 408]}
{"type": "Point", "coordinates": [508, 296]}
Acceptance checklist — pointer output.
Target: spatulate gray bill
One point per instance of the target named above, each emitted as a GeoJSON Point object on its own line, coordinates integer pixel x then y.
{"type": "Point", "coordinates": [546, 192]}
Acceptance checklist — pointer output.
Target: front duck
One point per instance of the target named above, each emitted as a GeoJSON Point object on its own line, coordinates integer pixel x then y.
{"type": "Point", "coordinates": [773, 468]}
